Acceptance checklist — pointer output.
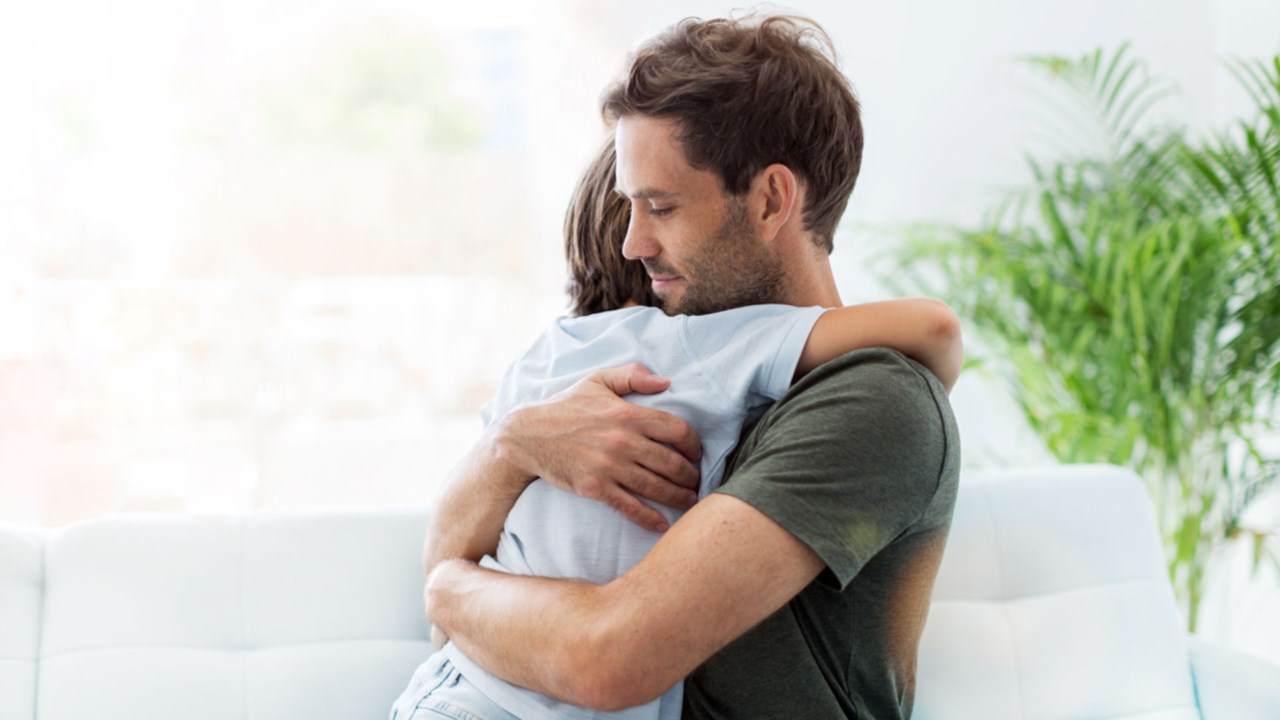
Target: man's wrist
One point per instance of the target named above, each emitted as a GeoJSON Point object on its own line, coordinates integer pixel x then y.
{"type": "Point", "coordinates": [441, 584]}
{"type": "Point", "coordinates": [447, 570]}
{"type": "Point", "coordinates": [506, 446]}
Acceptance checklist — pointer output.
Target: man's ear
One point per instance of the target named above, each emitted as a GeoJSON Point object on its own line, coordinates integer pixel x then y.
{"type": "Point", "coordinates": [775, 194]}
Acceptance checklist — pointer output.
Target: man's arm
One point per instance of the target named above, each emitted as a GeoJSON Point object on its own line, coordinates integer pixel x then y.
{"type": "Point", "coordinates": [843, 465]}
{"type": "Point", "coordinates": [717, 573]}
{"type": "Point", "coordinates": [586, 440]}
{"type": "Point", "coordinates": [467, 518]}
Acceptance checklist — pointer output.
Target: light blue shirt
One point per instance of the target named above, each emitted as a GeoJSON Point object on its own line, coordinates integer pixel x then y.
{"type": "Point", "coordinates": [725, 370]}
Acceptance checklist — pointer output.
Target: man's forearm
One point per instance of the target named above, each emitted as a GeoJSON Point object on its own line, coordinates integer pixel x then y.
{"type": "Point", "coordinates": [540, 633]}
{"type": "Point", "coordinates": [467, 519]}
{"type": "Point", "coordinates": [718, 572]}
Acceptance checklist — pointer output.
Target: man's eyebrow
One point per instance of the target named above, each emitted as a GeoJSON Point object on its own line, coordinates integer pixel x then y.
{"type": "Point", "coordinates": [645, 194]}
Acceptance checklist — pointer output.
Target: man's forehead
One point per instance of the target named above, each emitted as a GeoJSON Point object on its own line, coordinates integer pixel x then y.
{"type": "Point", "coordinates": [644, 126]}
{"type": "Point", "coordinates": [647, 138]}
{"type": "Point", "coordinates": [651, 162]}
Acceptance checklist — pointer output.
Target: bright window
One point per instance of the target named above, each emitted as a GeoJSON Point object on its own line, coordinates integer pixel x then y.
{"type": "Point", "coordinates": [264, 254]}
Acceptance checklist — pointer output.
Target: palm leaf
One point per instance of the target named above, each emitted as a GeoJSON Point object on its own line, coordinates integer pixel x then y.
{"type": "Point", "coordinates": [1130, 294]}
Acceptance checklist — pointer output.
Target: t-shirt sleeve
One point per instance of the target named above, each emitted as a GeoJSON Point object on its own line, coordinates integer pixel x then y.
{"type": "Point", "coordinates": [750, 353]}
{"type": "Point", "coordinates": [850, 458]}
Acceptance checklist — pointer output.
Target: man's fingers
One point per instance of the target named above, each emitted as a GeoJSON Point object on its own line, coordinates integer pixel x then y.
{"type": "Point", "coordinates": [644, 381]}
{"type": "Point", "coordinates": [631, 378]}
{"type": "Point", "coordinates": [659, 489]}
{"type": "Point", "coordinates": [669, 466]}
{"type": "Point", "coordinates": [636, 511]}
{"type": "Point", "coordinates": [660, 426]}
{"type": "Point", "coordinates": [668, 429]}
{"type": "Point", "coordinates": [642, 451]}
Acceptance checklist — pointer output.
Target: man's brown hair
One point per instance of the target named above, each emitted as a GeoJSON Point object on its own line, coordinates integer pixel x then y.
{"type": "Point", "coordinates": [600, 278]}
{"type": "Point", "coordinates": [750, 92]}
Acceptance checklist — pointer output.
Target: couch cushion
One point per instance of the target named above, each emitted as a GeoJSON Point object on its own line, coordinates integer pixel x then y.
{"type": "Point", "coordinates": [245, 617]}
{"type": "Point", "coordinates": [21, 586]}
{"type": "Point", "coordinates": [1053, 602]}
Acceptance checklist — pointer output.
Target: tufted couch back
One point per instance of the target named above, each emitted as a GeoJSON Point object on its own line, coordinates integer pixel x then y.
{"type": "Point", "coordinates": [212, 618]}
{"type": "Point", "coordinates": [1052, 602]}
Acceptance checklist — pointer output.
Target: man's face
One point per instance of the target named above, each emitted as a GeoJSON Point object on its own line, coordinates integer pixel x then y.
{"type": "Point", "coordinates": [698, 244]}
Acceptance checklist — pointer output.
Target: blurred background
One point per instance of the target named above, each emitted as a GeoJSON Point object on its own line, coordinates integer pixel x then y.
{"type": "Point", "coordinates": [266, 254]}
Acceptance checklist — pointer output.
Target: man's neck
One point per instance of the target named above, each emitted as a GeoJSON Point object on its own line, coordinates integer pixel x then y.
{"type": "Point", "coordinates": [812, 283]}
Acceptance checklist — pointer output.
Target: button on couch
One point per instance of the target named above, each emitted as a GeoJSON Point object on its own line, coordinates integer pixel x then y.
{"type": "Point", "coordinates": [1052, 602]}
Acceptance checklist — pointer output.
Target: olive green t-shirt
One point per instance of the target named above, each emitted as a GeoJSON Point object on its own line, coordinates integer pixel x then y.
{"type": "Point", "coordinates": [860, 461]}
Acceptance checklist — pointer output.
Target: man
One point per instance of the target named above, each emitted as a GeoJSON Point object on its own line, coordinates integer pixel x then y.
{"type": "Point", "coordinates": [800, 588]}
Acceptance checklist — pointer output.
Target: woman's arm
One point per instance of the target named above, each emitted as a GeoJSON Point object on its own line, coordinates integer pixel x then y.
{"type": "Point", "coordinates": [924, 330]}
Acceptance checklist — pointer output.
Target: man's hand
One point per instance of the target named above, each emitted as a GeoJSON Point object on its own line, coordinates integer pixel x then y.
{"type": "Point", "coordinates": [589, 441]}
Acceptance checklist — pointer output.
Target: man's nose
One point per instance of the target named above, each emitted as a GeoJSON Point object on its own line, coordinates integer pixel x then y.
{"type": "Point", "coordinates": [638, 243]}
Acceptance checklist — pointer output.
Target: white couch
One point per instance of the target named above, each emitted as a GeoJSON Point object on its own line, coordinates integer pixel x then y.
{"type": "Point", "coordinates": [1052, 602]}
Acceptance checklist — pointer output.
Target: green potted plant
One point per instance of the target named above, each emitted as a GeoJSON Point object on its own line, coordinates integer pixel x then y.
{"type": "Point", "coordinates": [1130, 296]}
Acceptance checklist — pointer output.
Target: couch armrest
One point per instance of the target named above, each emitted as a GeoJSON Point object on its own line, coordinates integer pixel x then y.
{"type": "Point", "coordinates": [1231, 685]}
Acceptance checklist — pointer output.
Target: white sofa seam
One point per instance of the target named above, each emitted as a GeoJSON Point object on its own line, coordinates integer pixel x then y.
{"type": "Point", "coordinates": [244, 625]}
{"type": "Point", "coordinates": [43, 543]}
{"type": "Point", "coordinates": [1008, 621]}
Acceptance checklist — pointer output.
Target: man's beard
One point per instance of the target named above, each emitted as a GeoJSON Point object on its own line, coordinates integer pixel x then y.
{"type": "Point", "coordinates": [732, 269]}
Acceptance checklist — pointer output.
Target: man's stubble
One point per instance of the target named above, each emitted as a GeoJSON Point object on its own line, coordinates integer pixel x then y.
{"type": "Point", "coordinates": [732, 269]}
